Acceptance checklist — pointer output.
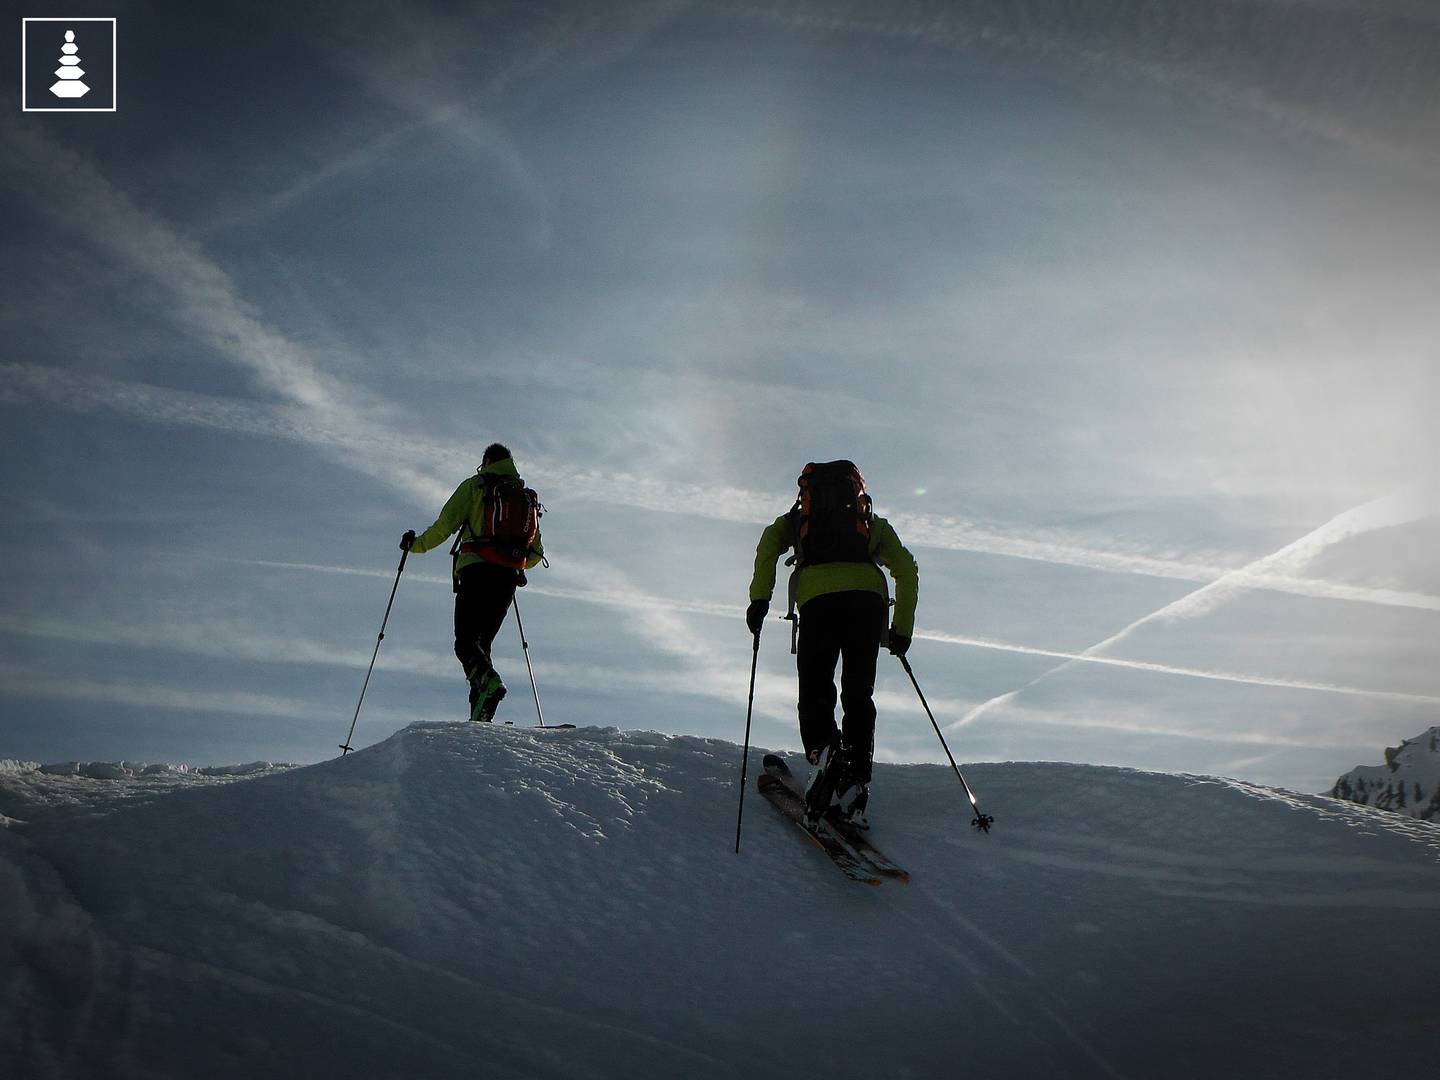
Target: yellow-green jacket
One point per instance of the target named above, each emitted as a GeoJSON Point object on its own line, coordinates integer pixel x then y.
{"type": "Point", "coordinates": [463, 508]}
{"type": "Point", "coordinates": [885, 548]}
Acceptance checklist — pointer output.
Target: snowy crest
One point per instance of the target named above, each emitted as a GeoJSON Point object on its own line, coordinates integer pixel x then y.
{"type": "Point", "coordinates": [468, 900]}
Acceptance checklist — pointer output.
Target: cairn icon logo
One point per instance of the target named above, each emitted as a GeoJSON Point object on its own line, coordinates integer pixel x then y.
{"type": "Point", "coordinates": [67, 65]}
{"type": "Point", "coordinates": [69, 74]}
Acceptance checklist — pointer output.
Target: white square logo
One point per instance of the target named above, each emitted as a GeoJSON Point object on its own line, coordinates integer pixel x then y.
{"type": "Point", "coordinates": [67, 65]}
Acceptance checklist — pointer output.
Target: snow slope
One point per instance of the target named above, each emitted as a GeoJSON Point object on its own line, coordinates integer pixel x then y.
{"type": "Point", "coordinates": [464, 901]}
{"type": "Point", "coordinates": [1408, 782]}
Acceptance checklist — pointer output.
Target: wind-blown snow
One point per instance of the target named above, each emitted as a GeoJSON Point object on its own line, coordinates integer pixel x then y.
{"type": "Point", "coordinates": [492, 902]}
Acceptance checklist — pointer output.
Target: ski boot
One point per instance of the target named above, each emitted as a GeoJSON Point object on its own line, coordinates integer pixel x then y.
{"type": "Point", "coordinates": [831, 767]}
{"type": "Point", "coordinates": [852, 806]}
{"type": "Point", "coordinates": [486, 690]}
{"type": "Point", "coordinates": [491, 702]}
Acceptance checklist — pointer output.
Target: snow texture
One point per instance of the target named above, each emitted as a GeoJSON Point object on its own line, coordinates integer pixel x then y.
{"type": "Point", "coordinates": [468, 901]}
{"type": "Point", "coordinates": [1408, 782]}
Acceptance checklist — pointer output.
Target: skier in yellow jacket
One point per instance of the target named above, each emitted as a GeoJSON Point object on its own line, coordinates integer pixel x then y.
{"type": "Point", "coordinates": [843, 605]}
{"type": "Point", "coordinates": [498, 521]}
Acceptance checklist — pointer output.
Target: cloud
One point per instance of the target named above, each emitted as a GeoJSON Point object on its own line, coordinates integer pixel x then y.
{"type": "Point", "coordinates": [1142, 721]}
{"type": "Point", "coordinates": [198, 633]}
{"type": "Point", "coordinates": [655, 619]}
{"type": "Point", "coordinates": [356, 161]}
{"type": "Point", "coordinates": [1385, 512]}
{"type": "Point", "coordinates": [1281, 572]}
{"type": "Point", "coordinates": [336, 417]}
{"type": "Point", "coordinates": [22, 682]}
{"type": "Point", "coordinates": [692, 667]}
{"type": "Point", "coordinates": [89, 393]}
{"type": "Point", "coordinates": [205, 301]}
{"type": "Point", "coordinates": [1193, 53]}
{"type": "Point", "coordinates": [658, 622]}
{"type": "Point", "coordinates": [446, 72]}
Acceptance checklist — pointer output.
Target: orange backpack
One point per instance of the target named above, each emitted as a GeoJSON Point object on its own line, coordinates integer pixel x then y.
{"type": "Point", "coordinates": [509, 522]}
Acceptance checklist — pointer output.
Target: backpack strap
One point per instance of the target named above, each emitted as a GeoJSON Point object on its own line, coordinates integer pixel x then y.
{"type": "Point", "coordinates": [793, 588]}
{"type": "Point", "coordinates": [793, 615]}
{"type": "Point", "coordinates": [461, 538]}
{"type": "Point", "coordinates": [885, 623]}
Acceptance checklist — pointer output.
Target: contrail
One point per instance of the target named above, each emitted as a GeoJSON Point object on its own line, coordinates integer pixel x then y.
{"type": "Point", "coordinates": [21, 382]}
{"type": "Point", "coordinates": [25, 682]}
{"type": "Point", "coordinates": [1383, 512]}
{"type": "Point", "coordinates": [206, 302]}
{"type": "Point", "coordinates": [637, 602]}
{"type": "Point", "coordinates": [1158, 668]}
{"type": "Point", "coordinates": [1395, 509]}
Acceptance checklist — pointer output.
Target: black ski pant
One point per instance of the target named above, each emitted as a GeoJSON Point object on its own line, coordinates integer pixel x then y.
{"type": "Point", "coordinates": [835, 627]}
{"type": "Point", "coordinates": [482, 598]}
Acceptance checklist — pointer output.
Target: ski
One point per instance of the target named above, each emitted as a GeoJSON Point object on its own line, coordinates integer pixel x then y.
{"type": "Point", "coordinates": [781, 796]}
{"type": "Point", "coordinates": [881, 863]}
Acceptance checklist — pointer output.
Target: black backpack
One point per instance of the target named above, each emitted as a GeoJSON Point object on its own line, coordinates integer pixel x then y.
{"type": "Point", "coordinates": [831, 516]}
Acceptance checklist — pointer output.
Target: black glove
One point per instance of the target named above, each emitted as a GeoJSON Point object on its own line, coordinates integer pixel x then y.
{"type": "Point", "coordinates": [407, 539]}
{"type": "Point", "coordinates": [899, 643]}
{"type": "Point", "coordinates": [520, 579]}
{"type": "Point", "coordinates": [755, 614]}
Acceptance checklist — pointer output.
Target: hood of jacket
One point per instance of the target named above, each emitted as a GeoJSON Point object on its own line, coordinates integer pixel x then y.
{"type": "Point", "coordinates": [502, 467]}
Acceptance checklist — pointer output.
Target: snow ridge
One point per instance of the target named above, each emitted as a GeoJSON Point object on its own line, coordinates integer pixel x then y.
{"type": "Point", "coordinates": [461, 901]}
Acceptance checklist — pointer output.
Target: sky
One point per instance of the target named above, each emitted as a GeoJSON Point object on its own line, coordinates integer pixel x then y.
{"type": "Point", "coordinates": [1126, 313]}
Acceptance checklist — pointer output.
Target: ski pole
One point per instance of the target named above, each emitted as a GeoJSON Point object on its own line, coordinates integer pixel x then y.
{"type": "Point", "coordinates": [525, 647]}
{"type": "Point", "coordinates": [745, 757]}
{"type": "Point", "coordinates": [345, 747]}
{"type": "Point", "coordinates": [981, 821]}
